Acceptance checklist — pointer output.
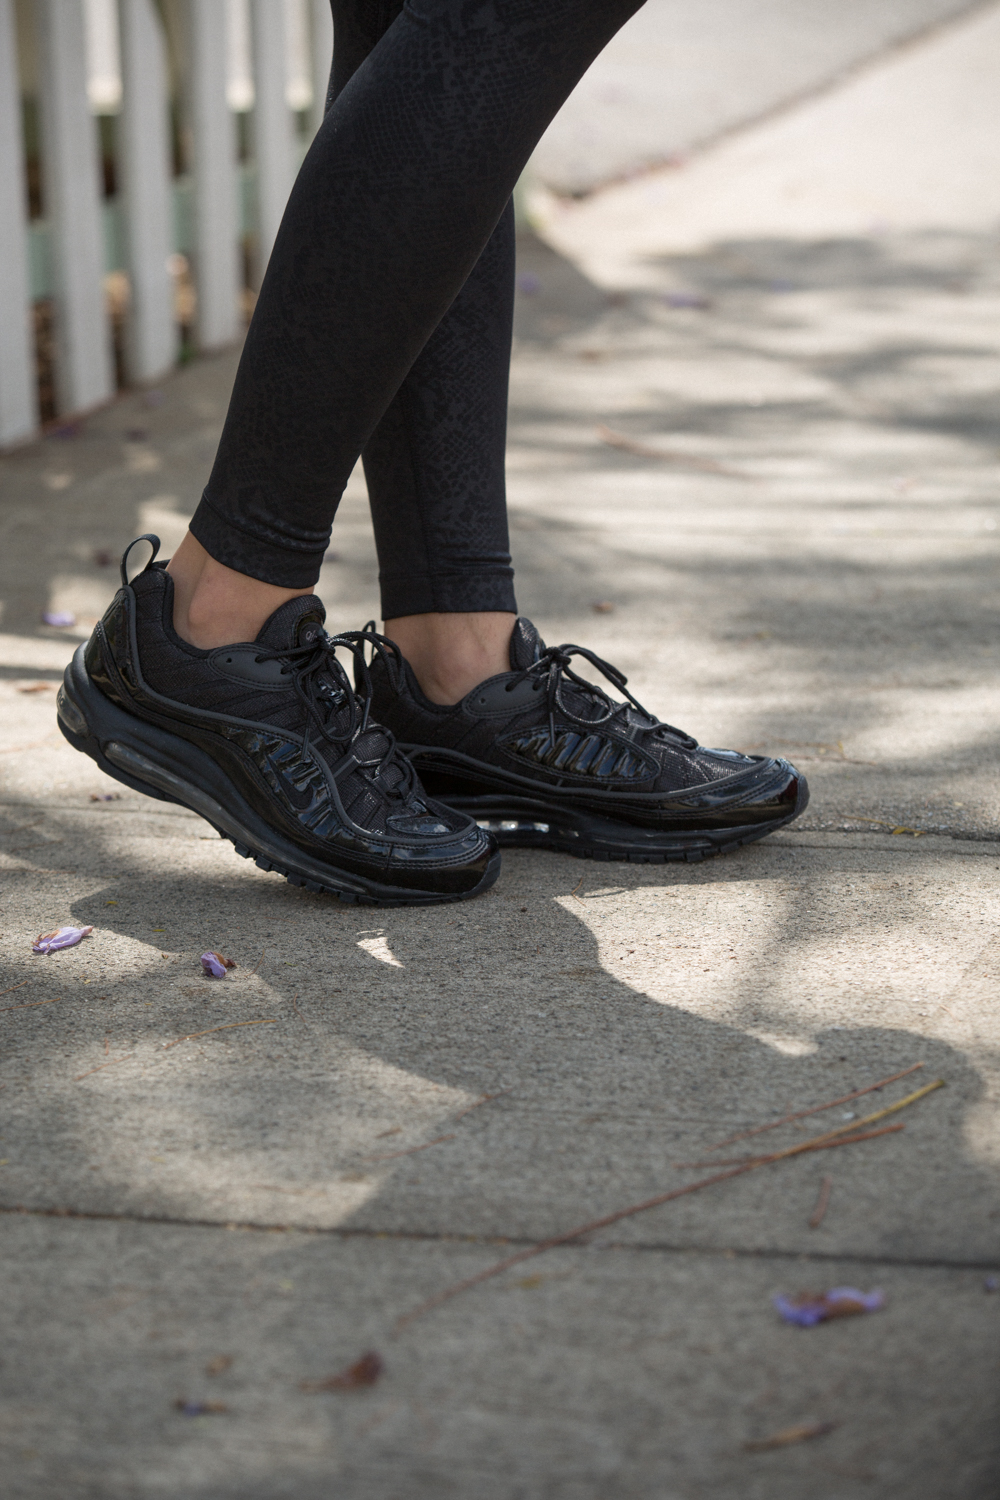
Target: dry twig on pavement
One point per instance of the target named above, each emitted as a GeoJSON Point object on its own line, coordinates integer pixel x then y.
{"type": "Point", "coordinates": [272, 1021]}
{"type": "Point", "coordinates": [626, 444]}
{"type": "Point", "coordinates": [822, 1203]}
{"type": "Point", "coordinates": [828, 1141]}
{"type": "Point", "coordinates": [391, 1155]}
{"type": "Point", "coordinates": [838, 1130]}
{"type": "Point", "coordinates": [477, 1103]}
{"type": "Point", "coordinates": [30, 1004]}
{"type": "Point", "coordinates": [816, 1110]}
{"type": "Point", "coordinates": [110, 1064]}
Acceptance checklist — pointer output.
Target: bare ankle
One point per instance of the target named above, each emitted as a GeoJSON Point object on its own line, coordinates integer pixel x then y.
{"type": "Point", "coordinates": [452, 653]}
{"type": "Point", "coordinates": [216, 606]}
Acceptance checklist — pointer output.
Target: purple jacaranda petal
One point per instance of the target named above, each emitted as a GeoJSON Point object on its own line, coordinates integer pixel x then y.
{"type": "Point", "coordinates": [61, 937]}
{"type": "Point", "coordinates": [685, 299]}
{"type": "Point", "coordinates": [200, 1408]}
{"type": "Point", "coordinates": [805, 1314]}
{"type": "Point", "coordinates": [839, 1302]}
{"type": "Point", "coordinates": [865, 1301]}
{"type": "Point", "coordinates": [58, 617]}
{"type": "Point", "coordinates": [215, 964]}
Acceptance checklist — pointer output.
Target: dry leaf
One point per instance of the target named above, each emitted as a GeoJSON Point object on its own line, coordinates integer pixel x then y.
{"type": "Point", "coordinates": [788, 1435]}
{"type": "Point", "coordinates": [364, 1371]}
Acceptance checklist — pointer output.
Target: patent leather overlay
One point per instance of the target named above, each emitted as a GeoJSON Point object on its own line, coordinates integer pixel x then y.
{"type": "Point", "coordinates": [502, 695]}
{"type": "Point", "coordinates": [558, 762]}
{"type": "Point", "coordinates": [282, 776]}
{"type": "Point", "coordinates": [108, 657]}
{"type": "Point", "coordinates": [298, 783]}
{"type": "Point", "coordinates": [769, 795]}
{"type": "Point", "coordinates": [244, 664]}
{"type": "Point", "coordinates": [573, 752]}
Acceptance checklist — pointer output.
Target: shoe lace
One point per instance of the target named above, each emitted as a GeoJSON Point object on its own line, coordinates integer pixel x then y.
{"type": "Point", "coordinates": [340, 712]}
{"type": "Point", "coordinates": [553, 669]}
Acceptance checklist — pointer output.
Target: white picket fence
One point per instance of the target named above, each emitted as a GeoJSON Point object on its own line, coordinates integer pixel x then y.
{"type": "Point", "coordinates": [208, 106]}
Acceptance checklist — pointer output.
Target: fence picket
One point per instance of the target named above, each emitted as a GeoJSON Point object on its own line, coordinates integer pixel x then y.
{"type": "Point", "coordinates": [144, 160]}
{"type": "Point", "coordinates": [18, 397]}
{"type": "Point", "coordinates": [272, 125]}
{"type": "Point", "coordinates": [322, 57]}
{"type": "Point", "coordinates": [213, 144]}
{"type": "Point", "coordinates": [82, 55]}
{"type": "Point", "coordinates": [83, 373]}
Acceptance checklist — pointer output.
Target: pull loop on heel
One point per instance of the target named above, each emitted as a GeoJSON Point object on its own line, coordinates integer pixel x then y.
{"type": "Point", "coordinates": [154, 542]}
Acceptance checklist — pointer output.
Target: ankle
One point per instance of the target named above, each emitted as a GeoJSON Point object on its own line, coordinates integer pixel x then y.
{"type": "Point", "coordinates": [452, 653]}
{"type": "Point", "coordinates": [216, 606]}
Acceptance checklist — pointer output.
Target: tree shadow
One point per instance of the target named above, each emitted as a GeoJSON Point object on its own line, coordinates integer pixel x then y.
{"type": "Point", "coordinates": [391, 1023]}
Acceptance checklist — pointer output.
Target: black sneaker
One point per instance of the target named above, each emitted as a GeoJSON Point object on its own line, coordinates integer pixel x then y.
{"type": "Point", "coordinates": [269, 742]}
{"type": "Point", "coordinates": [541, 757]}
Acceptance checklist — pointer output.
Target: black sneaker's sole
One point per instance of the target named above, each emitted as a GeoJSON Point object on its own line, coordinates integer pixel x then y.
{"type": "Point", "coordinates": [542, 823]}
{"type": "Point", "coordinates": [165, 766]}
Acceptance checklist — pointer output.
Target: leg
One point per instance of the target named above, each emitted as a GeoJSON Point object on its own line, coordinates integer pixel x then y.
{"type": "Point", "coordinates": [435, 462]}
{"type": "Point", "coordinates": [435, 471]}
{"type": "Point", "coordinates": [215, 604]}
{"type": "Point", "coordinates": [397, 198]}
{"type": "Point", "coordinates": [397, 201]}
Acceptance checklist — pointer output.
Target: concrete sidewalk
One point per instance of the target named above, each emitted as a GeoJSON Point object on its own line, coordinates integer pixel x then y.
{"type": "Point", "coordinates": [679, 76]}
{"type": "Point", "coordinates": [808, 566]}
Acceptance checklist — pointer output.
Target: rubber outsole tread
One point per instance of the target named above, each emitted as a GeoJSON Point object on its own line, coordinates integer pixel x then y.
{"type": "Point", "coordinates": [348, 898]}
{"type": "Point", "coordinates": [663, 857]}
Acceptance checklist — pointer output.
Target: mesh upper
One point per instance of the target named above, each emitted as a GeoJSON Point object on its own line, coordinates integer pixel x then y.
{"type": "Point", "coordinates": [666, 764]}
{"type": "Point", "coordinates": [182, 672]}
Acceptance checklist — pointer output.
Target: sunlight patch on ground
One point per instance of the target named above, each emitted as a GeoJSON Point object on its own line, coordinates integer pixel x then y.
{"type": "Point", "coordinates": [167, 517]}
{"type": "Point", "coordinates": [378, 947]}
{"type": "Point", "coordinates": [789, 1046]}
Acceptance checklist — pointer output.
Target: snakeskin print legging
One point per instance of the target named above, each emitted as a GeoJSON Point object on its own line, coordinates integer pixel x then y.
{"type": "Point", "coordinates": [383, 325]}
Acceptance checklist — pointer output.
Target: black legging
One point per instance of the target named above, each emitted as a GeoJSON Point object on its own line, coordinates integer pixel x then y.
{"type": "Point", "coordinates": [383, 324]}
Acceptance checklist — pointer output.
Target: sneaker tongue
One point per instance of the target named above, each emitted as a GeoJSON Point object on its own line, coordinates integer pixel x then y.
{"type": "Point", "coordinates": [526, 645]}
{"type": "Point", "coordinates": [296, 623]}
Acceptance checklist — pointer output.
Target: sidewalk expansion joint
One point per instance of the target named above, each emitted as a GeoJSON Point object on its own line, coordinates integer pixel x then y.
{"type": "Point", "coordinates": [428, 1236]}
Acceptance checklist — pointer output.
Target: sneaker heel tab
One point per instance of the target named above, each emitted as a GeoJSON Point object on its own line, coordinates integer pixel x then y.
{"type": "Point", "coordinates": [154, 542]}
